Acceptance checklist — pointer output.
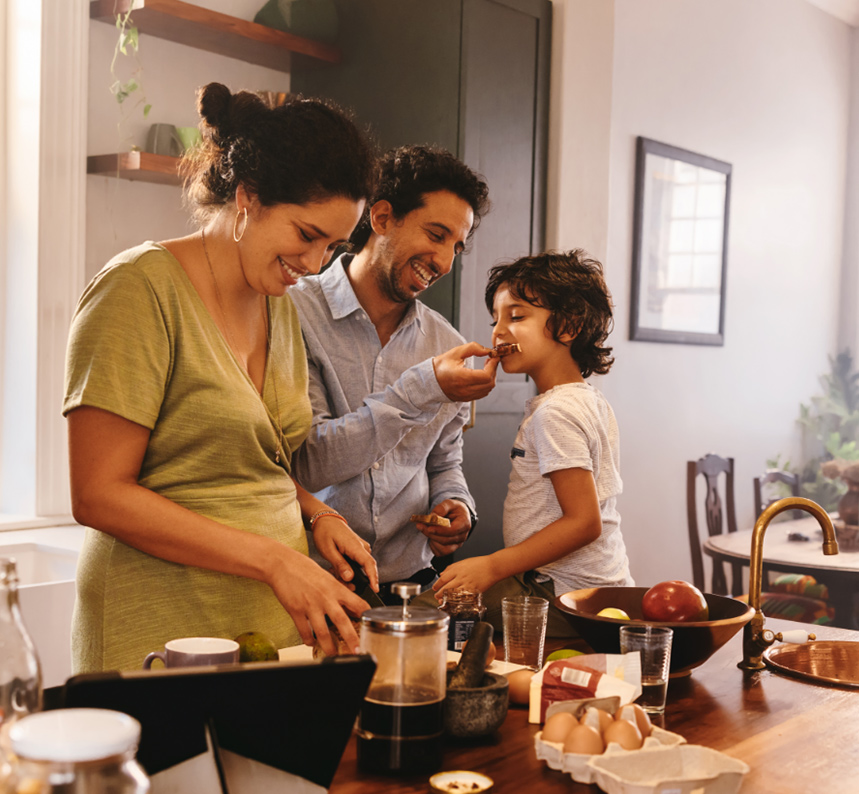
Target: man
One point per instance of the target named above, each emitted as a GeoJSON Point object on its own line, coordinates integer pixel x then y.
{"type": "Point", "coordinates": [389, 381]}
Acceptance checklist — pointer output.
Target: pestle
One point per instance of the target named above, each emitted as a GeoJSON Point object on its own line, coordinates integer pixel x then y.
{"type": "Point", "coordinates": [472, 664]}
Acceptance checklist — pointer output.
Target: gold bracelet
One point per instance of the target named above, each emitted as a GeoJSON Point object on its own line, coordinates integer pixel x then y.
{"type": "Point", "coordinates": [319, 513]}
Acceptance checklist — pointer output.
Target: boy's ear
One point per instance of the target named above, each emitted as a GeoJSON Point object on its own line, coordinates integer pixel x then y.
{"type": "Point", "coordinates": [567, 337]}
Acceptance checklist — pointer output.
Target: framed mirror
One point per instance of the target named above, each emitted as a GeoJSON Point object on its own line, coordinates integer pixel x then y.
{"type": "Point", "coordinates": [680, 242]}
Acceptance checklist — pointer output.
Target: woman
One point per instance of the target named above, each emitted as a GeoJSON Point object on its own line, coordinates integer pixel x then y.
{"type": "Point", "coordinates": [186, 394]}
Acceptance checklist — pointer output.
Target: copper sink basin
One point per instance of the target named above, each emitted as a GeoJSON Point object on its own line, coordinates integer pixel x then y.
{"type": "Point", "coordinates": [823, 661]}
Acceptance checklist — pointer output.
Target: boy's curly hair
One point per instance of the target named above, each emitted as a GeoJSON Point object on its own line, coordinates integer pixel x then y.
{"type": "Point", "coordinates": [571, 286]}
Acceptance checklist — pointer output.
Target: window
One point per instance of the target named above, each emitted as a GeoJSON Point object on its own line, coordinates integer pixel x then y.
{"type": "Point", "coordinates": [42, 162]}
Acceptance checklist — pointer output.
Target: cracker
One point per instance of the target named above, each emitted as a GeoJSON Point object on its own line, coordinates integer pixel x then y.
{"type": "Point", "coordinates": [505, 349]}
{"type": "Point", "coordinates": [433, 518]}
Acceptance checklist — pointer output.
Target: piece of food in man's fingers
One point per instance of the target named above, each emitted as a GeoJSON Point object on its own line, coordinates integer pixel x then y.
{"type": "Point", "coordinates": [505, 349]}
{"type": "Point", "coordinates": [433, 519]}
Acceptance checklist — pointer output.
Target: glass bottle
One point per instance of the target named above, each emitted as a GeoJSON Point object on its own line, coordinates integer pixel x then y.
{"type": "Point", "coordinates": [466, 609]}
{"type": "Point", "coordinates": [20, 674]}
{"type": "Point", "coordinates": [76, 751]}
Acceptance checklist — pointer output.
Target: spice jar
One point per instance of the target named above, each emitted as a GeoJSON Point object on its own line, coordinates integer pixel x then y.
{"type": "Point", "coordinates": [76, 751]}
{"type": "Point", "coordinates": [466, 609]}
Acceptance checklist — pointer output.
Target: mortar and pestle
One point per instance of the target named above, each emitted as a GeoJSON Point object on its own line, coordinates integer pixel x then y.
{"type": "Point", "coordinates": [476, 700]}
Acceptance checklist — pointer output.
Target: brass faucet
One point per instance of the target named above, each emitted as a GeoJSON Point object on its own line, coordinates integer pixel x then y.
{"type": "Point", "coordinates": [756, 639]}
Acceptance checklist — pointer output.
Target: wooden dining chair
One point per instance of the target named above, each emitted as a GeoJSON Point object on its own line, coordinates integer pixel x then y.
{"type": "Point", "coordinates": [792, 602]}
{"type": "Point", "coordinates": [773, 476]}
{"type": "Point", "coordinates": [711, 467]}
{"type": "Point", "coordinates": [787, 589]}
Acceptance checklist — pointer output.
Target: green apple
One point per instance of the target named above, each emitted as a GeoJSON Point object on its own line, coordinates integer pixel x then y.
{"type": "Point", "coordinates": [563, 653]}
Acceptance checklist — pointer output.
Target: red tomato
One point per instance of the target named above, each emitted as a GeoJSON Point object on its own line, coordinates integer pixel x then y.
{"type": "Point", "coordinates": [674, 602]}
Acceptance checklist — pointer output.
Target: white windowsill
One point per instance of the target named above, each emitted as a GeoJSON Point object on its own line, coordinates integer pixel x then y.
{"type": "Point", "coordinates": [58, 532]}
{"type": "Point", "coordinates": [9, 522]}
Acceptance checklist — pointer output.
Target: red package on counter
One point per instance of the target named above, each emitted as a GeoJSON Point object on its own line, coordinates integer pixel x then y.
{"type": "Point", "coordinates": [591, 676]}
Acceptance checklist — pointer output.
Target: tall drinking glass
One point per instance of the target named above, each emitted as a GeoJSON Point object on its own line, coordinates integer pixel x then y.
{"type": "Point", "coordinates": [524, 620]}
{"type": "Point", "coordinates": [654, 645]}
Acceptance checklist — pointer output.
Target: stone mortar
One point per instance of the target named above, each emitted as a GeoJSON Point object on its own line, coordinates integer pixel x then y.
{"type": "Point", "coordinates": [473, 712]}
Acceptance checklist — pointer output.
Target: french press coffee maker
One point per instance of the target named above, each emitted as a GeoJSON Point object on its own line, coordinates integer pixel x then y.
{"type": "Point", "coordinates": [401, 723]}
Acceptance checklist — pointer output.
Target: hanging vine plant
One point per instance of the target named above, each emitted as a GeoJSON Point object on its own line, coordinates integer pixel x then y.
{"type": "Point", "coordinates": [128, 44]}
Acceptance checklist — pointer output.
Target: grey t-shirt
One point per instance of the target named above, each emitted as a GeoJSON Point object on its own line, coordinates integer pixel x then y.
{"type": "Point", "coordinates": [571, 426]}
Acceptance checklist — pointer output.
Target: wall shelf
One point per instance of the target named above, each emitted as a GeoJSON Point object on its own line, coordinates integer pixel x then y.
{"type": "Point", "coordinates": [136, 166]}
{"type": "Point", "coordinates": [212, 31]}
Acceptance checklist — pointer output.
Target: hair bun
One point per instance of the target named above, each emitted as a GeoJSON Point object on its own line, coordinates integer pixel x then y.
{"type": "Point", "coordinates": [213, 105]}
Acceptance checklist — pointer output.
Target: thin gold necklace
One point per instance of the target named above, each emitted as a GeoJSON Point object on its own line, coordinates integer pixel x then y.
{"type": "Point", "coordinates": [275, 421]}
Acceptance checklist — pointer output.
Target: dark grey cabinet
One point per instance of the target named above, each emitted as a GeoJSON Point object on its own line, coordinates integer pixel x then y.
{"type": "Point", "coordinates": [471, 76]}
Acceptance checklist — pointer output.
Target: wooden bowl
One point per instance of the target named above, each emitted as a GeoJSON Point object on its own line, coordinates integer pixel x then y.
{"type": "Point", "coordinates": [693, 643]}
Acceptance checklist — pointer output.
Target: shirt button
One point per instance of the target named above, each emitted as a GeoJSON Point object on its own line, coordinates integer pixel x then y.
{"type": "Point", "coordinates": [376, 465]}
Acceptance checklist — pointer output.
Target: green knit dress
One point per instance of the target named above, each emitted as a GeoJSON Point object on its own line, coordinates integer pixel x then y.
{"type": "Point", "coordinates": [144, 346]}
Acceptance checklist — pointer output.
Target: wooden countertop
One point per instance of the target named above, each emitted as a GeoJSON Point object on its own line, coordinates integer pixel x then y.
{"type": "Point", "coordinates": [796, 736]}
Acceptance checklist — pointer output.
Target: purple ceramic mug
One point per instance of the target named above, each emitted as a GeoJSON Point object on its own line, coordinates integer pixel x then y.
{"type": "Point", "coordinates": [195, 652]}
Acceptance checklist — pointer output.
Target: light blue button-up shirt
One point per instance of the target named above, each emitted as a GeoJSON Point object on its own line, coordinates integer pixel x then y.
{"type": "Point", "coordinates": [385, 442]}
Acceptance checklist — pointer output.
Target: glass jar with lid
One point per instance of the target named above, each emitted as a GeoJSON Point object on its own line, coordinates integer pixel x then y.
{"type": "Point", "coordinates": [466, 610]}
{"type": "Point", "coordinates": [76, 751]}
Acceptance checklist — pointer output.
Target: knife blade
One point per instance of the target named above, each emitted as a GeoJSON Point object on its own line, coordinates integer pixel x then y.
{"type": "Point", "coordinates": [362, 585]}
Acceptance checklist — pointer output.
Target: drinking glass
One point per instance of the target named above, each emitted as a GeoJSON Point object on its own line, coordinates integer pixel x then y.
{"type": "Point", "coordinates": [654, 645]}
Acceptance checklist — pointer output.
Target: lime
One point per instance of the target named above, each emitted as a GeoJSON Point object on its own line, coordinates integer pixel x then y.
{"type": "Point", "coordinates": [256, 647]}
{"type": "Point", "coordinates": [613, 612]}
{"type": "Point", "coordinates": [563, 653]}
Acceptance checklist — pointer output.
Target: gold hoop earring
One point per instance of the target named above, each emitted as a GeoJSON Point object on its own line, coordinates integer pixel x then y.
{"type": "Point", "coordinates": [236, 236]}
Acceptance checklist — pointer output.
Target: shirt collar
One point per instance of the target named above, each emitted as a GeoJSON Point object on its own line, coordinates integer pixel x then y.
{"type": "Point", "coordinates": [337, 290]}
{"type": "Point", "coordinates": [342, 300]}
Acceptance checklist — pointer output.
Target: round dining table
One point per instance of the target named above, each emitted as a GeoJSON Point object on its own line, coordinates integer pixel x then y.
{"type": "Point", "coordinates": [796, 546]}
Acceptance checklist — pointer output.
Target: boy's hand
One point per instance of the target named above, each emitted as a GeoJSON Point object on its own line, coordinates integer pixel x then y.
{"type": "Point", "coordinates": [475, 573]}
{"type": "Point", "coordinates": [459, 382]}
{"type": "Point", "coordinates": [446, 540]}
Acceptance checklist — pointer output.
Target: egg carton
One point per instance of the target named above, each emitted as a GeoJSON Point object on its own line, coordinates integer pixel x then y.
{"type": "Point", "coordinates": [682, 769]}
{"type": "Point", "coordinates": [577, 764]}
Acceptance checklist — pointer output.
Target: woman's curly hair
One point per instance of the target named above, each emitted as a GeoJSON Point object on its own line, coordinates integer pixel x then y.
{"type": "Point", "coordinates": [303, 151]}
{"type": "Point", "coordinates": [571, 286]}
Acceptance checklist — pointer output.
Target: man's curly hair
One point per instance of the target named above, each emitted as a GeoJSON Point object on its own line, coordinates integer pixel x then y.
{"type": "Point", "coordinates": [408, 173]}
{"type": "Point", "coordinates": [571, 286]}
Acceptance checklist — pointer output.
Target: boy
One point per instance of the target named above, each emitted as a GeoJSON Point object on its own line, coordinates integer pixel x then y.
{"type": "Point", "coordinates": [561, 525]}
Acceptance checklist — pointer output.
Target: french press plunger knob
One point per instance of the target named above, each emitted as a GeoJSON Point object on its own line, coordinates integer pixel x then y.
{"type": "Point", "coordinates": [405, 590]}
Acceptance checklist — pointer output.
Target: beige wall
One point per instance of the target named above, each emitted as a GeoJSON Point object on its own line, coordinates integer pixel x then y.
{"type": "Point", "coordinates": [848, 335]}
{"type": "Point", "coordinates": [764, 86]}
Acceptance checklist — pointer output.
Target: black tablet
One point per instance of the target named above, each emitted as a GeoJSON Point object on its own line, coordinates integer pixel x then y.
{"type": "Point", "coordinates": [294, 716]}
